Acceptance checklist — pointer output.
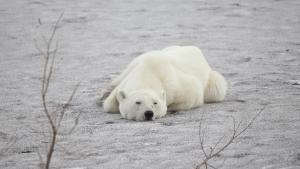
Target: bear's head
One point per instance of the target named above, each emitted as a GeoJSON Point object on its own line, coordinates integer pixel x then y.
{"type": "Point", "coordinates": [142, 104]}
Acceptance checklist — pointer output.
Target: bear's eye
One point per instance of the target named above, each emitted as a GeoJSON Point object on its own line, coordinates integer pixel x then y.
{"type": "Point", "coordinates": [138, 102]}
{"type": "Point", "coordinates": [155, 103]}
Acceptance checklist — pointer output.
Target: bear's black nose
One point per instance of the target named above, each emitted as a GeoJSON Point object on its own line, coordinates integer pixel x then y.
{"type": "Point", "coordinates": [148, 115]}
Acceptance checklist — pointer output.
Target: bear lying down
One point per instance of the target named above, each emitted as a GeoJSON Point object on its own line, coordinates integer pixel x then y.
{"type": "Point", "coordinates": [175, 78]}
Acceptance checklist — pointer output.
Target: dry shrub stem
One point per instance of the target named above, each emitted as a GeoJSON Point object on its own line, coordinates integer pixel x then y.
{"type": "Point", "coordinates": [215, 150]}
{"type": "Point", "coordinates": [54, 117]}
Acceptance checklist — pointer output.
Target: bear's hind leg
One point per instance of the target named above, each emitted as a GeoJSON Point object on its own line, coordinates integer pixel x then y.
{"type": "Point", "coordinates": [173, 108]}
{"type": "Point", "coordinates": [185, 106]}
{"type": "Point", "coordinates": [216, 87]}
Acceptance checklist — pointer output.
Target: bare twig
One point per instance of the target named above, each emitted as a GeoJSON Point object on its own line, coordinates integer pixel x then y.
{"type": "Point", "coordinates": [75, 124]}
{"type": "Point", "coordinates": [215, 150]}
{"type": "Point", "coordinates": [49, 55]}
{"type": "Point", "coordinates": [66, 106]}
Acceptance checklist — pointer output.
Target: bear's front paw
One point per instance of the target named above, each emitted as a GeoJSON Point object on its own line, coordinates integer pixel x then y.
{"type": "Point", "coordinates": [109, 106]}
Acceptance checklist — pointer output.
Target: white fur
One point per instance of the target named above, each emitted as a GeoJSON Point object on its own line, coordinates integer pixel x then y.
{"type": "Point", "coordinates": [176, 78]}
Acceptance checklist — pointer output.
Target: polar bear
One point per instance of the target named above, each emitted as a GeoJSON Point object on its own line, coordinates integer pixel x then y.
{"type": "Point", "coordinates": [172, 79]}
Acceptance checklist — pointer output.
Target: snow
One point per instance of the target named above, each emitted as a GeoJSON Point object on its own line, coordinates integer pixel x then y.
{"type": "Point", "coordinates": [255, 44]}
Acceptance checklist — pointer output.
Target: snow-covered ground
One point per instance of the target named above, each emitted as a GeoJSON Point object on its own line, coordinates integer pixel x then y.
{"type": "Point", "coordinates": [255, 44]}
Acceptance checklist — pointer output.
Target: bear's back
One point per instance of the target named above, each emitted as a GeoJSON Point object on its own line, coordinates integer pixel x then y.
{"type": "Point", "coordinates": [171, 63]}
{"type": "Point", "coordinates": [187, 59]}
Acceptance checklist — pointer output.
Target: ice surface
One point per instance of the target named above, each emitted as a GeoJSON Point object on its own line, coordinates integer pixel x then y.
{"type": "Point", "coordinates": [255, 44]}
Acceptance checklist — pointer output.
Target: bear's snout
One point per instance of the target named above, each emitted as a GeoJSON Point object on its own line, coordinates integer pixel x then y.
{"type": "Point", "coordinates": [148, 115]}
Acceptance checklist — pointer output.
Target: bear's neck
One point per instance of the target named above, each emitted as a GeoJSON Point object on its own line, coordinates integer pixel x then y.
{"type": "Point", "coordinates": [142, 80]}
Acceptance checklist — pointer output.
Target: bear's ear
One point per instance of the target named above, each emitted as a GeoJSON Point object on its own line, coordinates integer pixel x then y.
{"type": "Point", "coordinates": [121, 95]}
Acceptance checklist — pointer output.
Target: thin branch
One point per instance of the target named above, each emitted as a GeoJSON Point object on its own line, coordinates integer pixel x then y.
{"type": "Point", "coordinates": [66, 105]}
{"type": "Point", "coordinates": [202, 139]}
{"type": "Point", "coordinates": [50, 71]}
{"type": "Point", "coordinates": [211, 166]}
{"type": "Point", "coordinates": [76, 121]}
{"type": "Point", "coordinates": [235, 133]}
{"type": "Point", "coordinates": [251, 121]}
{"type": "Point", "coordinates": [49, 55]}
{"type": "Point", "coordinates": [37, 46]}
{"type": "Point", "coordinates": [213, 149]}
{"type": "Point", "coordinates": [238, 125]}
{"type": "Point", "coordinates": [49, 42]}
